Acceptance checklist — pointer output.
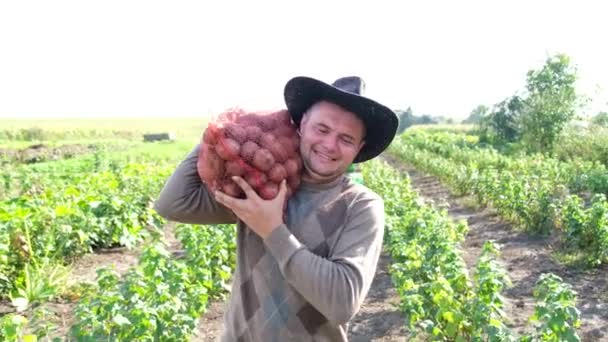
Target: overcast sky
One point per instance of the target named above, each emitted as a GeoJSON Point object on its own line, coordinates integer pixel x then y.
{"type": "Point", "coordinates": [192, 58]}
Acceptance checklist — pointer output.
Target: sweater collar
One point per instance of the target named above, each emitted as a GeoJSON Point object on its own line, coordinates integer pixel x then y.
{"type": "Point", "coordinates": [322, 186]}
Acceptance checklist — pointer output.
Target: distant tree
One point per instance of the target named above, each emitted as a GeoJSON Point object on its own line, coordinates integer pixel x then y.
{"type": "Point", "coordinates": [550, 104]}
{"type": "Point", "coordinates": [600, 119]}
{"type": "Point", "coordinates": [476, 115]}
{"type": "Point", "coordinates": [502, 124]}
{"type": "Point", "coordinates": [406, 119]}
{"type": "Point", "coordinates": [426, 120]}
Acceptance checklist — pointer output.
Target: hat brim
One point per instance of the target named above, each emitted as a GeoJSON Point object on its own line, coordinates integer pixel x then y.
{"type": "Point", "coordinates": [380, 122]}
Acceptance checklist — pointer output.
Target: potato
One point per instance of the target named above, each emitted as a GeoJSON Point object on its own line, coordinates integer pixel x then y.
{"type": "Point", "coordinates": [248, 150]}
{"type": "Point", "coordinates": [250, 119]}
{"type": "Point", "coordinates": [235, 167]}
{"type": "Point", "coordinates": [227, 149]}
{"type": "Point", "coordinates": [267, 140]}
{"type": "Point", "coordinates": [263, 159]}
{"type": "Point", "coordinates": [235, 132]}
{"type": "Point", "coordinates": [295, 141]}
{"type": "Point", "coordinates": [277, 173]}
{"type": "Point", "coordinates": [261, 147]}
{"type": "Point", "coordinates": [210, 167]}
{"type": "Point", "coordinates": [291, 166]}
{"type": "Point", "coordinates": [287, 143]}
{"type": "Point", "coordinates": [270, 142]}
{"type": "Point", "coordinates": [283, 118]}
{"type": "Point", "coordinates": [269, 191]}
{"type": "Point", "coordinates": [210, 135]}
{"type": "Point", "coordinates": [256, 179]}
{"type": "Point", "coordinates": [284, 131]}
{"type": "Point", "coordinates": [298, 160]}
{"type": "Point", "coordinates": [267, 123]}
{"type": "Point", "coordinates": [293, 181]}
{"type": "Point", "coordinates": [232, 189]}
{"type": "Point", "coordinates": [253, 133]}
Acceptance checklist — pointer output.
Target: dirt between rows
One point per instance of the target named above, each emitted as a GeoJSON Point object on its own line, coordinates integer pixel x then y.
{"type": "Point", "coordinates": [61, 311]}
{"type": "Point", "coordinates": [524, 256]}
{"type": "Point", "coordinates": [40, 152]}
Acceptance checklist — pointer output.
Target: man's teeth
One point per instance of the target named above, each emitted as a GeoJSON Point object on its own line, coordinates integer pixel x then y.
{"type": "Point", "coordinates": [324, 156]}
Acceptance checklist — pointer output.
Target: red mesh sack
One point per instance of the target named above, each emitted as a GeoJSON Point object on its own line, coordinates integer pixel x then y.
{"type": "Point", "coordinates": [263, 148]}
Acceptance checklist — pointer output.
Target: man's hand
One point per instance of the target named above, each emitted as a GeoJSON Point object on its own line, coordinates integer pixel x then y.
{"type": "Point", "coordinates": [260, 215]}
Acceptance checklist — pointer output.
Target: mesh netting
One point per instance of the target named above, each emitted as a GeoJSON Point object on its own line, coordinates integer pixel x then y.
{"type": "Point", "coordinates": [260, 147]}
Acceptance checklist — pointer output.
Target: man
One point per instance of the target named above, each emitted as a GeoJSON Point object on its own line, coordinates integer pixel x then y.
{"type": "Point", "coordinates": [302, 279]}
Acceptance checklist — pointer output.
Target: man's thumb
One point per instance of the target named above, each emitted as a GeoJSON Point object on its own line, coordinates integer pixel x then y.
{"type": "Point", "coordinates": [283, 189]}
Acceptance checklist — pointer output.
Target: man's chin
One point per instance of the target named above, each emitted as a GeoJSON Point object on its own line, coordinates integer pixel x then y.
{"type": "Point", "coordinates": [323, 174]}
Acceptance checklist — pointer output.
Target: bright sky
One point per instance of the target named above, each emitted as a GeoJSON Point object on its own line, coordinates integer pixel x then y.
{"type": "Point", "coordinates": [192, 58]}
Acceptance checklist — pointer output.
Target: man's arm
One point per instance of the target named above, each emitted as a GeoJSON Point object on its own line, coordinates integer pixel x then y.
{"type": "Point", "coordinates": [185, 198]}
{"type": "Point", "coordinates": [335, 286]}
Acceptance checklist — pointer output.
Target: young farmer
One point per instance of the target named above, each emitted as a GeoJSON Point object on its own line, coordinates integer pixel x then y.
{"type": "Point", "coordinates": [305, 277]}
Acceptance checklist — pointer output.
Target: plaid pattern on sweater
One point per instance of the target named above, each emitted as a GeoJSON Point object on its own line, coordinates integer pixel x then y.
{"type": "Point", "coordinates": [307, 279]}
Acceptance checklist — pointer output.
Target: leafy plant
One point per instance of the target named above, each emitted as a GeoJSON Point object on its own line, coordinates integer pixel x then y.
{"type": "Point", "coordinates": [555, 313]}
{"type": "Point", "coordinates": [40, 283]}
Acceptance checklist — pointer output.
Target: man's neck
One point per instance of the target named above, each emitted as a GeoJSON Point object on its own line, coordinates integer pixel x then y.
{"type": "Point", "coordinates": [318, 180]}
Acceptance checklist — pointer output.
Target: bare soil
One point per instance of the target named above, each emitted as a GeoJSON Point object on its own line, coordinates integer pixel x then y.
{"type": "Point", "coordinates": [60, 311]}
{"type": "Point", "coordinates": [379, 318]}
{"type": "Point", "coordinates": [524, 256]}
{"type": "Point", "coordinates": [40, 152]}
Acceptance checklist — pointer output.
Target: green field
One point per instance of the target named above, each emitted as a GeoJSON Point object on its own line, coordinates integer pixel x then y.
{"type": "Point", "coordinates": [18, 133]}
{"type": "Point", "coordinates": [69, 204]}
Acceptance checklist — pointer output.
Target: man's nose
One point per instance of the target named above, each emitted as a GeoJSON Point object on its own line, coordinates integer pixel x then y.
{"type": "Point", "coordinates": [330, 143]}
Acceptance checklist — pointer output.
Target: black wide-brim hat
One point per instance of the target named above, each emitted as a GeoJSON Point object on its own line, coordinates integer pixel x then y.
{"type": "Point", "coordinates": [380, 122]}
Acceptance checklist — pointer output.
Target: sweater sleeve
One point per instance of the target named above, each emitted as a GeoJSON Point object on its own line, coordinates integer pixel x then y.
{"type": "Point", "coordinates": [335, 286]}
{"type": "Point", "coordinates": [185, 198]}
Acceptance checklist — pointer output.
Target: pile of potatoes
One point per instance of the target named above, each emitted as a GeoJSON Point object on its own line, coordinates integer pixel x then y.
{"type": "Point", "coordinates": [260, 147]}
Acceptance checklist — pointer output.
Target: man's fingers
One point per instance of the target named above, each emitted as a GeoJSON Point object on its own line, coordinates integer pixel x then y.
{"type": "Point", "coordinates": [230, 202]}
{"type": "Point", "coordinates": [245, 186]}
{"type": "Point", "coordinates": [221, 197]}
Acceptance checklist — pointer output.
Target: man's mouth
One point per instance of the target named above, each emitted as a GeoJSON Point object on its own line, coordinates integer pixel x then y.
{"type": "Point", "coordinates": [324, 156]}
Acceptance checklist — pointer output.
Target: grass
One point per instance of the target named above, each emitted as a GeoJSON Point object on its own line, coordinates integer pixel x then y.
{"type": "Point", "coordinates": [455, 128]}
{"type": "Point", "coordinates": [171, 152]}
{"type": "Point", "coordinates": [121, 139]}
{"type": "Point", "coordinates": [22, 144]}
{"type": "Point", "coordinates": [162, 150]}
{"type": "Point", "coordinates": [19, 133]}
{"type": "Point", "coordinates": [572, 259]}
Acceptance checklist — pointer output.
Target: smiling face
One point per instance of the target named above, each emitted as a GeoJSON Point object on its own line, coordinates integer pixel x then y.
{"type": "Point", "coordinates": [330, 139]}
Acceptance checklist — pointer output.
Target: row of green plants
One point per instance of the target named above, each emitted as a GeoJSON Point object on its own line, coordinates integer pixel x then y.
{"type": "Point", "coordinates": [73, 209]}
{"type": "Point", "coordinates": [438, 297]}
{"type": "Point", "coordinates": [23, 153]}
{"type": "Point", "coordinates": [21, 179]}
{"type": "Point", "coordinates": [536, 194]}
{"type": "Point", "coordinates": [160, 299]}
{"type": "Point", "coordinates": [589, 142]}
{"type": "Point", "coordinates": [36, 134]}
{"type": "Point", "coordinates": [577, 175]}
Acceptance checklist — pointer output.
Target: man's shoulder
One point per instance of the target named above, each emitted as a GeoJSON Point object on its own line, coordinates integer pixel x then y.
{"type": "Point", "coordinates": [358, 191]}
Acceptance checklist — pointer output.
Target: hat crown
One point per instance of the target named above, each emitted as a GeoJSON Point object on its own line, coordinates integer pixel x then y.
{"type": "Point", "coordinates": [351, 84]}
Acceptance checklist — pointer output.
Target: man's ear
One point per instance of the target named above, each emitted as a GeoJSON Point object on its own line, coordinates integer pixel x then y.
{"type": "Point", "coordinates": [302, 122]}
{"type": "Point", "coordinates": [304, 118]}
{"type": "Point", "coordinates": [361, 146]}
